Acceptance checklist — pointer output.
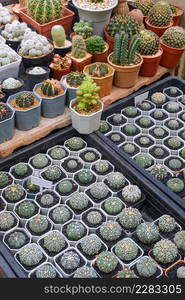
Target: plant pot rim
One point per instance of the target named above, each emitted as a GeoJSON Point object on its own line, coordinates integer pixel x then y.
{"type": "Point", "coordinates": [51, 98]}
{"type": "Point", "coordinates": [31, 68]}
{"type": "Point", "coordinates": [69, 44]}
{"type": "Point", "coordinates": [180, 10]}
{"type": "Point", "coordinates": [124, 67]}
{"type": "Point", "coordinates": [162, 27]}
{"type": "Point", "coordinates": [111, 73]}
{"type": "Point", "coordinates": [17, 78]}
{"type": "Point", "coordinates": [63, 80]}
{"type": "Point", "coordinates": [12, 114]}
{"type": "Point", "coordinates": [172, 266]}
{"type": "Point", "coordinates": [25, 110]}
{"type": "Point", "coordinates": [39, 57]}
{"type": "Point", "coordinates": [159, 52]}
{"type": "Point", "coordinates": [176, 49]}
{"type": "Point", "coordinates": [106, 49]}
{"type": "Point", "coordinates": [114, 4]}
{"type": "Point", "coordinates": [87, 56]}
{"type": "Point", "coordinates": [85, 116]}
{"type": "Point", "coordinates": [61, 70]}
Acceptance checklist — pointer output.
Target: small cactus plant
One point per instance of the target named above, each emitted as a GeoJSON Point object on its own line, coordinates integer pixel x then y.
{"type": "Point", "coordinates": [94, 218]}
{"type": "Point", "coordinates": [101, 166]}
{"type": "Point", "coordinates": [91, 245]}
{"type": "Point", "coordinates": [78, 201]}
{"type": "Point", "coordinates": [159, 132]}
{"type": "Point", "coordinates": [104, 127]}
{"type": "Point", "coordinates": [172, 107]}
{"type": "Point", "coordinates": [78, 47]}
{"type": "Point", "coordinates": [7, 221]}
{"type": "Point", "coordinates": [52, 173]}
{"type": "Point", "coordinates": [85, 177]}
{"type": "Point", "coordinates": [147, 233]}
{"type": "Point", "coordinates": [58, 35]}
{"type": "Point", "coordinates": [106, 262]}
{"type": "Point", "coordinates": [179, 240]}
{"type": "Point", "coordinates": [131, 193]}
{"type": "Point", "coordinates": [174, 143]}
{"type": "Point", "coordinates": [17, 239]}
{"type": "Point", "coordinates": [58, 153]}
{"type": "Point", "coordinates": [83, 28]}
{"type": "Point", "coordinates": [21, 170]}
{"type": "Point", "coordinates": [30, 255]}
{"type": "Point", "coordinates": [130, 129]}
{"type": "Point", "coordinates": [110, 231]}
{"type": "Point", "coordinates": [149, 43]}
{"type": "Point", "coordinates": [120, 23]}
{"type": "Point", "coordinates": [51, 88]}
{"type": "Point", "coordinates": [54, 242]}
{"type": "Point", "coordinates": [144, 160]}
{"type": "Point", "coordinates": [130, 218]}
{"type": "Point", "coordinates": [131, 111]}
{"type": "Point", "coordinates": [174, 37]}
{"type": "Point", "coordinates": [38, 224]}
{"type": "Point", "coordinates": [70, 261]}
{"type": "Point", "coordinates": [90, 156]}
{"type": "Point", "coordinates": [158, 98]}
{"type": "Point", "coordinates": [99, 191]}
{"type": "Point", "coordinates": [95, 44]}
{"type": "Point", "coordinates": [46, 271]}
{"type": "Point", "coordinates": [116, 180]}
{"type": "Point", "coordinates": [145, 122]}
{"type": "Point", "coordinates": [26, 209]}
{"type": "Point", "coordinates": [5, 180]}
{"type": "Point", "coordinates": [129, 148]}
{"type": "Point", "coordinates": [181, 272]}
{"type": "Point", "coordinates": [126, 273]}
{"type": "Point", "coordinates": [165, 251]}
{"type": "Point", "coordinates": [113, 205]}
{"type": "Point", "coordinates": [85, 272]}
{"type": "Point", "coordinates": [40, 161]}
{"type": "Point", "coordinates": [176, 185]}
{"type": "Point", "coordinates": [159, 171]}
{"type": "Point", "coordinates": [25, 100]}
{"type": "Point", "coordinates": [146, 267]}
{"type": "Point", "coordinates": [74, 79]}
{"type": "Point", "coordinates": [126, 250]}
{"type": "Point", "coordinates": [65, 187]}
{"type": "Point", "coordinates": [75, 143]}
{"type": "Point", "coordinates": [98, 70]}
{"type": "Point", "coordinates": [60, 214]}
{"type": "Point", "coordinates": [158, 114]}
{"type": "Point", "coordinates": [72, 164]}
{"type": "Point", "coordinates": [175, 164]}
{"type": "Point", "coordinates": [47, 199]}
{"type": "Point", "coordinates": [160, 15]}
{"type": "Point", "coordinates": [75, 230]}
{"type": "Point", "coordinates": [14, 193]}
{"type": "Point", "coordinates": [166, 224]}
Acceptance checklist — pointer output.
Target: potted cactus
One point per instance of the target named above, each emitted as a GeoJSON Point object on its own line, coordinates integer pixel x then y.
{"type": "Point", "coordinates": [44, 14]}
{"type": "Point", "coordinates": [36, 74]}
{"type": "Point", "coordinates": [5, 16]}
{"type": "Point", "coordinates": [6, 122]}
{"type": "Point", "coordinates": [149, 48]}
{"type": "Point", "coordinates": [159, 18]}
{"type": "Point", "coordinates": [96, 12]}
{"type": "Point", "coordinates": [173, 45]}
{"type": "Point", "coordinates": [144, 6]}
{"type": "Point", "coordinates": [102, 74]}
{"type": "Point", "coordinates": [83, 28]}
{"type": "Point", "coordinates": [79, 55]}
{"type": "Point", "coordinates": [60, 66]}
{"type": "Point", "coordinates": [87, 108]}
{"type": "Point", "coordinates": [125, 60]}
{"type": "Point", "coordinates": [72, 81]}
{"type": "Point", "coordinates": [11, 86]}
{"type": "Point", "coordinates": [27, 108]}
{"type": "Point", "coordinates": [98, 48]}
{"type": "Point", "coordinates": [61, 44]}
{"type": "Point", "coordinates": [53, 97]}
{"type": "Point", "coordinates": [177, 13]}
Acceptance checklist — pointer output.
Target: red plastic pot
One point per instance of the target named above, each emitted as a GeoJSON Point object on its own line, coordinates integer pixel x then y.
{"type": "Point", "coordinates": [150, 64]}
{"type": "Point", "coordinates": [178, 16]}
{"type": "Point", "coordinates": [57, 74]}
{"type": "Point", "coordinates": [158, 30]}
{"type": "Point", "coordinates": [110, 40]}
{"type": "Point", "coordinates": [171, 56]}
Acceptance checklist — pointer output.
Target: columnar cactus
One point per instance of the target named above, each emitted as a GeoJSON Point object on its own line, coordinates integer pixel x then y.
{"type": "Point", "coordinates": [91, 245]}
{"type": "Point", "coordinates": [38, 224]}
{"type": "Point", "coordinates": [147, 233]}
{"type": "Point", "coordinates": [146, 267]}
{"type": "Point", "coordinates": [46, 271]}
{"type": "Point", "coordinates": [126, 24]}
{"type": "Point", "coordinates": [106, 262]}
{"type": "Point", "coordinates": [70, 261]}
{"type": "Point", "coordinates": [78, 47]}
{"type": "Point", "coordinates": [30, 255]}
{"type": "Point", "coordinates": [130, 218]}
{"type": "Point", "coordinates": [166, 224]}
{"type": "Point", "coordinates": [165, 251]}
{"type": "Point", "coordinates": [51, 88]}
{"type": "Point", "coordinates": [75, 230]}
{"type": "Point", "coordinates": [131, 193]}
{"type": "Point", "coordinates": [16, 239]}
{"type": "Point", "coordinates": [110, 231]}
{"type": "Point", "coordinates": [14, 193]}
{"type": "Point", "coordinates": [113, 205]}
{"type": "Point", "coordinates": [7, 220]}
{"type": "Point", "coordinates": [54, 242]}
{"type": "Point", "coordinates": [25, 100]}
{"type": "Point", "coordinates": [60, 214]}
{"type": "Point", "coordinates": [79, 201]}
{"type": "Point", "coordinates": [179, 240]}
{"type": "Point", "coordinates": [126, 250]}
{"type": "Point", "coordinates": [116, 180]}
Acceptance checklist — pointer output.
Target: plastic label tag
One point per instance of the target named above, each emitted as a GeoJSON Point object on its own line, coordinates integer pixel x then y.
{"type": "Point", "coordinates": [41, 182]}
{"type": "Point", "coordinates": [138, 99]}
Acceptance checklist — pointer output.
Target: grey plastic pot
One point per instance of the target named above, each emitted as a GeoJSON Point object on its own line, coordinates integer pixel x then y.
{"type": "Point", "coordinates": [7, 127]}
{"type": "Point", "coordinates": [71, 91]}
{"type": "Point", "coordinates": [98, 18]}
{"type": "Point", "coordinates": [28, 118]}
{"type": "Point", "coordinates": [52, 107]}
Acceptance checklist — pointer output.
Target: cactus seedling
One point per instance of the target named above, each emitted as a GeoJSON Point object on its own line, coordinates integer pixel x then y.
{"type": "Point", "coordinates": [98, 70]}
{"type": "Point", "coordinates": [58, 35]}
{"type": "Point", "coordinates": [101, 166]}
{"type": "Point", "coordinates": [131, 193]}
{"type": "Point", "coordinates": [7, 221]}
{"type": "Point", "coordinates": [146, 267]}
{"type": "Point", "coordinates": [165, 251]}
{"type": "Point", "coordinates": [110, 231]}
{"type": "Point", "coordinates": [38, 224]}
{"type": "Point", "coordinates": [26, 209]}
{"type": "Point", "coordinates": [126, 273]}
{"type": "Point", "coordinates": [52, 173]}
{"type": "Point", "coordinates": [40, 161]}
{"type": "Point", "coordinates": [79, 201]}
{"type": "Point", "coordinates": [70, 261]}
{"type": "Point", "coordinates": [85, 272]}
{"type": "Point", "coordinates": [60, 214]}
{"type": "Point", "coordinates": [85, 177]}
{"type": "Point", "coordinates": [65, 187]}
{"type": "Point", "coordinates": [94, 218]}
{"type": "Point", "coordinates": [116, 180]}
{"type": "Point", "coordinates": [58, 153]}
{"type": "Point", "coordinates": [78, 47]}
{"type": "Point", "coordinates": [5, 179]}
{"type": "Point", "coordinates": [159, 171]}
{"type": "Point", "coordinates": [91, 245]}
{"type": "Point", "coordinates": [126, 250]}
{"type": "Point", "coordinates": [99, 191]}
{"type": "Point", "coordinates": [16, 239]}
{"type": "Point", "coordinates": [176, 185]}
{"type": "Point", "coordinates": [113, 205]}
{"type": "Point", "coordinates": [46, 271]}
{"type": "Point", "coordinates": [30, 255]}
{"type": "Point", "coordinates": [21, 170]}
{"type": "Point", "coordinates": [179, 240]}
{"type": "Point", "coordinates": [75, 143]}
{"type": "Point", "coordinates": [14, 193]}
{"type": "Point", "coordinates": [130, 218]}
{"type": "Point", "coordinates": [75, 230]}
{"type": "Point", "coordinates": [95, 44]}
{"type": "Point", "coordinates": [166, 224]}
{"type": "Point", "coordinates": [181, 272]}
{"type": "Point", "coordinates": [83, 28]}
{"type": "Point", "coordinates": [54, 242]}
{"type": "Point", "coordinates": [106, 262]}
{"type": "Point", "coordinates": [147, 233]}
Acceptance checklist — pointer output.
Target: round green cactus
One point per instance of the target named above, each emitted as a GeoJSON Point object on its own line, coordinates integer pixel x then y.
{"type": "Point", "coordinates": [174, 143]}
{"type": "Point", "coordinates": [126, 273]}
{"type": "Point", "coordinates": [159, 171]}
{"type": "Point", "coordinates": [7, 221]}
{"type": "Point", "coordinates": [72, 164]}
{"type": "Point", "coordinates": [130, 129]}
{"type": "Point", "coordinates": [165, 251]}
{"type": "Point", "coordinates": [40, 161]}
{"type": "Point", "coordinates": [91, 245]}
{"type": "Point", "coordinates": [181, 272]}
{"type": "Point", "coordinates": [130, 111]}
{"type": "Point", "coordinates": [176, 185]}
{"type": "Point", "coordinates": [75, 230]}
{"type": "Point", "coordinates": [46, 271]}
{"type": "Point", "coordinates": [47, 199]}
{"type": "Point", "coordinates": [129, 148]}
{"type": "Point", "coordinates": [75, 143]}
{"type": "Point", "coordinates": [5, 179]}
{"type": "Point", "coordinates": [146, 267]}
{"type": "Point", "coordinates": [158, 114]}
{"type": "Point", "coordinates": [79, 201]}
{"type": "Point", "coordinates": [149, 43]}
{"type": "Point", "coordinates": [99, 191]}
{"type": "Point", "coordinates": [131, 193]}
{"type": "Point", "coordinates": [52, 173]}
{"type": "Point", "coordinates": [104, 127]}
{"type": "Point", "coordinates": [166, 224]}
{"type": "Point", "coordinates": [21, 169]}
{"type": "Point", "coordinates": [54, 242]}
{"type": "Point", "coordinates": [175, 164]}
{"type": "Point", "coordinates": [159, 152]}
{"type": "Point", "coordinates": [101, 166]}
{"type": "Point", "coordinates": [58, 153]}
{"type": "Point", "coordinates": [26, 209]}
{"type": "Point", "coordinates": [179, 240]}
{"type": "Point", "coordinates": [85, 177]}
{"type": "Point", "coordinates": [130, 218]}
{"type": "Point", "coordinates": [159, 132]}
{"type": "Point", "coordinates": [14, 193]}
{"type": "Point", "coordinates": [95, 44]}
{"type": "Point", "coordinates": [158, 98]}
{"type": "Point", "coordinates": [116, 180]}
{"type": "Point", "coordinates": [31, 187]}
{"type": "Point", "coordinates": [38, 224]}
{"type": "Point", "coordinates": [30, 255]}
{"type": "Point", "coordinates": [144, 140]}
{"type": "Point", "coordinates": [106, 262]}
{"type": "Point", "coordinates": [117, 119]}
{"type": "Point", "coordinates": [90, 156]}
{"type": "Point", "coordinates": [65, 187]}
{"type": "Point", "coordinates": [85, 272]}
{"type": "Point", "coordinates": [144, 160]}
{"type": "Point", "coordinates": [147, 233]}
{"type": "Point", "coordinates": [115, 137]}
{"type": "Point", "coordinates": [60, 214]}
{"type": "Point", "coordinates": [94, 218]}
{"type": "Point", "coordinates": [70, 261]}
{"type": "Point", "coordinates": [110, 231]}
{"type": "Point", "coordinates": [145, 122]}
{"type": "Point", "coordinates": [16, 239]}
{"type": "Point", "coordinates": [145, 106]}
{"type": "Point", "coordinates": [174, 37]}
{"type": "Point", "coordinates": [126, 250]}
{"type": "Point", "coordinates": [113, 205]}
{"type": "Point", "coordinates": [173, 124]}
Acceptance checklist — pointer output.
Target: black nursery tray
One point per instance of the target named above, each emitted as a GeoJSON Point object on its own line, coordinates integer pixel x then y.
{"type": "Point", "coordinates": [154, 205]}
{"type": "Point", "coordinates": [117, 107]}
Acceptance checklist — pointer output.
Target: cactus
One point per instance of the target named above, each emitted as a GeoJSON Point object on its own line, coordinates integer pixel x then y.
{"type": "Point", "coordinates": [129, 148]}
{"type": "Point", "coordinates": [65, 187]}
{"type": "Point", "coordinates": [110, 231]}
{"type": "Point", "coordinates": [144, 5]}
{"type": "Point", "coordinates": [58, 153]}
{"type": "Point", "coordinates": [159, 132]}
{"type": "Point", "coordinates": [45, 11]}
{"type": "Point", "coordinates": [146, 267]}
{"type": "Point", "coordinates": [147, 233]}
{"type": "Point", "coordinates": [26, 209]}
{"type": "Point", "coordinates": [30, 255]}
{"type": "Point", "coordinates": [54, 242]}
{"type": "Point", "coordinates": [94, 218]}
{"type": "Point", "coordinates": [160, 15]}
{"type": "Point", "coordinates": [116, 180]}
{"type": "Point", "coordinates": [144, 160]}
{"type": "Point", "coordinates": [21, 169]}
{"type": "Point", "coordinates": [130, 129]}
{"type": "Point", "coordinates": [181, 73]}
{"type": "Point", "coordinates": [166, 224]}
{"type": "Point", "coordinates": [131, 193]}
{"type": "Point", "coordinates": [113, 205]}
{"type": "Point", "coordinates": [99, 191]}
{"type": "Point", "coordinates": [79, 201]}
{"type": "Point", "coordinates": [101, 166]}
{"type": "Point", "coordinates": [145, 122]}
{"type": "Point", "coordinates": [179, 240]}
{"type": "Point", "coordinates": [159, 152]}
{"type": "Point", "coordinates": [47, 199]}
{"type": "Point", "coordinates": [174, 37]}
{"type": "Point", "coordinates": [90, 156]}
{"type": "Point", "coordinates": [149, 43]}
{"type": "Point", "coordinates": [5, 180]}
{"type": "Point", "coordinates": [40, 161]}
{"type": "Point", "coordinates": [126, 273]}
{"type": "Point", "coordinates": [98, 70]}
{"type": "Point", "coordinates": [51, 88]}
{"type": "Point", "coordinates": [14, 193]}
{"type": "Point", "coordinates": [165, 251]}
{"type": "Point", "coordinates": [52, 173]}
{"type": "Point", "coordinates": [46, 271]}
{"type": "Point", "coordinates": [130, 111]}
{"type": "Point", "coordinates": [25, 100]}
{"type": "Point", "coordinates": [130, 218]}
{"type": "Point", "coordinates": [75, 230]}
{"type": "Point", "coordinates": [16, 239]}
{"type": "Point", "coordinates": [7, 221]}
{"type": "Point", "coordinates": [173, 124]}
{"type": "Point", "coordinates": [181, 272]}
{"type": "Point", "coordinates": [60, 214]}
{"type": "Point", "coordinates": [85, 177]}
{"type": "Point", "coordinates": [75, 143]}
{"type": "Point", "coordinates": [74, 79]}
{"type": "Point", "coordinates": [172, 107]}
{"type": "Point", "coordinates": [58, 35]}
{"type": "Point", "coordinates": [158, 98]}
{"type": "Point", "coordinates": [95, 44]}
{"type": "Point", "coordinates": [83, 28]}
{"type": "Point", "coordinates": [38, 224]}
{"type": "Point", "coordinates": [117, 119]}
{"type": "Point", "coordinates": [158, 114]}
{"type": "Point", "coordinates": [30, 187]}
{"type": "Point", "coordinates": [104, 127]}
{"type": "Point", "coordinates": [174, 143]}
{"type": "Point", "coordinates": [78, 47]}
{"type": "Point", "coordinates": [85, 272]}
{"type": "Point", "coordinates": [119, 23]}
{"type": "Point", "coordinates": [72, 164]}
{"type": "Point", "coordinates": [176, 185]}
{"type": "Point", "coordinates": [159, 171]}
{"type": "Point", "coordinates": [106, 262]}
{"type": "Point", "coordinates": [175, 164]}
{"type": "Point", "coordinates": [146, 106]}
{"type": "Point", "coordinates": [70, 261]}
{"type": "Point", "coordinates": [91, 245]}
{"type": "Point", "coordinates": [115, 137]}
{"type": "Point", "coordinates": [126, 250]}
{"type": "Point", "coordinates": [5, 112]}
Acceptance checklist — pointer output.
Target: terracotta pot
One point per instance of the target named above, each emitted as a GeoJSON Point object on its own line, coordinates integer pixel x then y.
{"type": "Point", "coordinates": [150, 64]}
{"type": "Point", "coordinates": [178, 16]}
{"type": "Point", "coordinates": [172, 266]}
{"type": "Point", "coordinates": [78, 64]}
{"type": "Point", "coordinates": [57, 74]}
{"type": "Point", "coordinates": [102, 56]}
{"type": "Point", "coordinates": [158, 30]}
{"type": "Point", "coordinates": [110, 40]}
{"type": "Point", "coordinates": [171, 56]}
{"type": "Point", "coordinates": [125, 76]}
{"type": "Point", "coordinates": [105, 83]}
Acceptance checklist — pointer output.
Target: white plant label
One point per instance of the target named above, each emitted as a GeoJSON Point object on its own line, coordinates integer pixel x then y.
{"type": "Point", "coordinates": [41, 182]}
{"type": "Point", "coordinates": [140, 98]}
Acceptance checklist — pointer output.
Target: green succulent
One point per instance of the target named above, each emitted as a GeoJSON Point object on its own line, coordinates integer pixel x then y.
{"type": "Point", "coordinates": [83, 28]}
{"type": "Point", "coordinates": [95, 44]}
{"type": "Point", "coordinates": [101, 166]}
{"type": "Point", "coordinates": [175, 164]}
{"type": "Point", "coordinates": [130, 129]}
{"type": "Point", "coordinates": [129, 148]}
{"type": "Point", "coordinates": [106, 262]}
{"type": "Point", "coordinates": [145, 105]}
{"type": "Point", "coordinates": [54, 242]}
{"type": "Point", "coordinates": [75, 78]}
{"type": "Point", "coordinates": [4, 179]}
{"type": "Point", "coordinates": [165, 251]}
{"type": "Point", "coordinates": [130, 218]}
{"type": "Point", "coordinates": [99, 191]}
{"type": "Point", "coordinates": [182, 99]}
{"type": "Point", "coordinates": [130, 111]}
{"type": "Point", "coordinates": [46, 271]}
{"type": "Point", "coordinates": [166, 224]}
{"type": "Point", "coordinates": [172, 107]}
{"type": "Point", "coordinates": [31, 187]}
{"type": "Point", "coordinates": [26, 209]}
{"type": "Point", "coordinates": [116, 180]}
{"type": "Point", "coordinates": [146, 267]}
{"type": "Point", "coordinates": [181, 272]}
{"type": "Point", "coordinates": [160, 15]}
{"type": "Point", "coordinates": [104, 127]}
{"type": "Point", "coordinates": [182, 153]}
{"type": "Point", "coordinates": [145, 122]}
{"type": "Point", "coordinates": [91, 245]}
{"type": "Point", "coordinates": [174, 143]}
{"type": "Point", "coordinates": [60, 214]}
{"type": "Point", "coordinates": [115, 137]}
{"type": "Point", "coordinates": [117, 119]}
{"type": "Point", "coordinates": [126, 273]}
{"type": "Point", "coordinates": [159, 132]}
{"type": "Point", "coordinates": [85, 177]}
{"type": "Point", "coordinates": [149, 43]}
{"type": "Point", "coordinates": [94, 217]}
{"type": "Point", "coordinates": [159, 152]}
{"type": "Point", "coordinates": [79, 201]}
{"type": "Point", "coordinates": [38, 224]}
{"type": "Point", "coordinates": [119, 23]}
{"type": "Point", "coordinates": [7, 221]}
{"type": "Point", "coordinates": [144, 141]}
{"type": "Point", "coordinates": [75, 230]}
{"type": "Point", "coordinates": [110, 231]}
{"type": "Point", "coordinates": [58, 153]}
{"type": "Point", "coordinates": [65, 187]}
{"type": "Point", "coordinates": [147, 233]}
{"type": "Point", "coordinates": [131, 193]}
{"type": "Point", "coordinates": [75, 143]}
{"type": "Point", "coordinates": [173, 124]}
{"type": "Point", "coordinates": [126, 250]}
{"type": "Point", "coordinates": [144, 160]}
{"type": "Point", "coordinates": [16, 239]}
{"type": "Point", "coordinates": [72, 164]}
{"type": "Point", "coordinates": [30, 255]}
{"type": "Point", "coordinates": [90, 156]}
{"type": "Point", "coordinates": [21, 169]}
{"type": "Point", "coordinates": [158, 114]}
{"type": "Point", "coordinates": [159, 171]}
{"type": "Point", "coordinates": [174, 37]}
{"type": "Point", "coordinates": [179, 240]}
{"type": "Point", "coordinates": [47, 199]}
{"type": "Point", "coordinates": [113, 205]}
{"type": "Point", "coordinates": [14, 193]}
{"type": "Point", "coordinates": [40, 161]}
{"type": "Point", "coordinates": [70, 261]}
{"type": "Point", "coordinates": [52, 173]}
{"type": "Point", "coordinates": [158, 98]}
{"type": "Point", "coordinates": [144, 6]}
{"type": "Point", "coordinates": [85, 272]}
{"type": "Point", "coordinates": [176, 185]}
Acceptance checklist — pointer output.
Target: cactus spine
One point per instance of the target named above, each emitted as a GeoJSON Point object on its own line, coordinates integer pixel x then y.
{"type": "Point", "coordinates": [78, 47]}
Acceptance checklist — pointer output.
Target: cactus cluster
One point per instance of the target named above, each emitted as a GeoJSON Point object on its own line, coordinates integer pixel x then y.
{"type": "Point", "coordinates": [78, 47]}
{"type": "Point", "coordinates": [70, 261]}
{"type": "Point", "coordinates": [149, 43]}
{"type": "Point", "coordinates": [131, 193]}
{"type": "Point", "coordinates": [52, 173]}
{"type": "Point", "coordinates": [116, 180]}
{"type": "Point", "coordinates": [38, 224]}
{"type": "Point", "coordinates": [14, 193]}
{"type": "Point", "coordinates": [16, 239]}
{"type": "Point", "coordinates": [166, 224]}
{"type": "Point", "coordinates": [75, 230]}
{"type": "Point", "coordinates": [85, 272]}
{"type": "Point", "coordinates": [144, 5]}
{"type": "Point", "coordinates": [130, 218]}
{"type": "Point", "coordinates": [79, 201]}
{"type": "Point", "coordinates": [26, 209]}
{"type": "Point", "coordinates": [74, 79]}
{"type": "Point", "coordinates": [60, 214]}
{"type": "Point", "coordinates": [7, 221]}
{"type": "Point", "coordinates": [146, 267]}
{"type": "Point", "coordinates": [106, 262]}
{"type": "Point", "coordinates": [126, 250]}
{"type": "Point", "coordinates": [113, 205]}
{"type": "Point", "coordinates": [99, 191]}
{"type": "Point", "coordinates": [160, 15]}
{"type": "Point", "coordinates": [174, 37]}
{"type": "Point", "coordinates": [40, 161]}
{"type": "Point", "coordinates": [179, 240]}
{"type": "Point", "coordinates": [91, 245]}
{"type": "Point", "coordinates": [95, 44]}
{"type": "Point", "coordinates": [94, 218]}
{"type": "Point", "coordinates": [54, 242]}
{"type": "Point", "coordinates": [83, 28]}
{"type": "Point", "coordinates": [110, 231]}
{"type": "Point", "coordinates": [46, 271]}
{"type": "Point", "coordinates": [75, 143]}
{"type": "Point", "coordinates": [159, 171]}
{"type": "Point", "coordinates": [30, 255]}
{"type": "Point", "coordinates": [58, 153]}
{"type": "Point", "coordinates": [165, 251]}
{"type": "Point", "coordinates": [51, 88]}
{"type": "Point", "coordinates": [122, 23]}
{"type": "Point", "coordinates": [98, 70]}
{"type": "Point", "coordinates": [25, 100]}
{"type": "Point", "coordinates": [147, 233]}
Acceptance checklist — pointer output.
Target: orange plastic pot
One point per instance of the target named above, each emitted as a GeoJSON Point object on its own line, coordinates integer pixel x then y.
{"type": "Point", "coordinates": [101, 57]}
{"type": "Point", "coordinates": [45, 29]}
{"type": "Point", "coordinates": [158, 30]}
{"type": "Point", "coordinates": [57, 74]}
{"type": "Point", "coordinates": [172, 266]}
{"type": "Point", "coordinates": [171, 56]}
{"type": "Point", "coordinates": [110, 40]}
{"type": "Point", "coordinates": [150, 64]}
{"type": "Point", "coordinates": [78, 64]}
{"type": "Point", "coordinates": [178, 16]}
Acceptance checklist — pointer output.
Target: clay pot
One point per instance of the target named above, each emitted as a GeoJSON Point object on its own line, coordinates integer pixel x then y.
{"type": "Point", "coordinates": [150, 64]}
{"type": "Point", "coordinates": [57, 74]}
{"type": "Point", "coordinates": [79, 63]}
{"type": "Point", "coordinates": [125, 76]}
{"type": "Point", "coordinates": [178, 16]}
{"type": "Point", "coordinates": [110, 40]}
{"type": "Point", "coordinates": [158, 30]}
{"type": "Point", "coordinates": [171, 56]}
{"type": "Point", "coordinates": [102, 56]}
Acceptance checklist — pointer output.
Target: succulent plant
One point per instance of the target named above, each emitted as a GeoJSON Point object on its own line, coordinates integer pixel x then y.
{"type": "Point", "coordinates": [145, 105]}
{"type": "Point", "coordinates": [106, 262]}
{"type": "Point", "coordinates": [160, 15]}
{"type": "Point", "coordinates": [6, 57]}
{"type": "Point", "coordinates": [130, 218]}
{"type": "Point", "coordinates": [47, 199]}
{"type": "Point", "coordinates": [90, 156]}
{"type": "Point", "coordinates": [126, 250]}
{"type": "Point", "coordinates": [26, 209]}
{"type": "Point", "coordinates": [149, 43]}
{"type": "Point", "coordinates": [175, 164]}
{"type": "Point", "coordinates": [110, 231]}
{"type": "Point", "coordinates": [158, 98]}
{"type": "Point", "coordinates": [7, 220]}
{"type": "Point", "coordinates": [158, 114]}
{"type": "Point", "coordinates": [176, 185]}
{"type": "Point", "coordinates": [31, 187]}
{"type": "Point", "coordinates": [5, 15]}
{"type": "Point", "coordinates": [117, 119]}
{"type": "Point", "coordinates": [146, 267]}
{"type": "Point", "coordinates": [144, 160]}
{"type": "Point", "coordinates": [38, 224]}
{"type": "Point", "coordinates": [83, 28]}
{"type": "Point", "coordinates": [182, 153]}
{"type": "Point", "coordinates": [144, 141]}
{"type": "Point", "coordinates": [174, 37]}
{"type": "Point", "coordinates": [130, 129]}
{"type": "Point", "coordinates": [60, 214]}
{"type": "Point", "coordinates": [159, 171]}
{"type": "Point", "coordinates": [91, 245]}
{"type": "Point", "coordinates": [14, 193]}
{"type": "Point", "coordinates": [11, 83]}
{"type": "Point", "coordinates": [16, 239]}
{"type": "Point", "coordinates": [4, 179]}
{"type": "Point", "coordinates": [166, 224]}
{"type": "Point", "coordinates": [37, 71]}
{"type": "Point", "coordinates": [99, 191]}
{"type": "Point", "coordinates": [85, 272]}
{"type": "Point", "coordinates": [159, 152]}
{"type": "Point", "coordinates": [75, 78]}
{"type": "Point", "coordinates": [173, 124]}
{"type": "Point", "coordinates": [181, 272]}
{"type": "Point", "coordinates": [58, 35]}
{"type": "Point", "coordinates": [131, 193]}
{"type": "Point", "coordinates": [179, 240]}
{"type": "Point", "coordinates": [78, 47]}
{"type": "Point", "coordinates": [30, 255]}
{"type": "Point", "coordinates": [113, 205]}
{"type": "Point", "coordinates": [51, 88]}
{"type": "Point", "coordinates": [104, 127]}
{"type": "Point", "coordinates": [165, 251]}
{"type": "Point", "coordinates": [130, 111]}
{"type": "Point", "coordinates": [94, 217]}
{"type": "Point", "coordinates": [172, 107]}
{"type": "Point", "coordinates": [25, 100]}
{"type": "Point", "coordinates": [52, 173]}
{"type": "Point", "coordinates": [174, 143]}
{"type": "Point", "coordinates": [85, 177]}
{"type": "Point", "coordinates": [75, 143]}
{"type": "Point", "coordinates": [126, 273]}
{"type": "Point", "coordinates": [70, 260]}
{"type": "Point", "coordinates": [54, 242]}
{"type": "Point", "coordinates": [144, 6]}
{"type": "Point", "coordinates": [115, 137]}
{"type": "Point", "coordinates": [182, 99]}
{"type": "Point", "coordinates": [72, 164]}
{"type": "Point", "coordinates": [46, 271]}
{"type": "Point", "coordinates": [40, 161]}
{"type": "Point", "coordinates": [159, 132]}
{"type": "Point", "coordinates": [145, 122]}
{"type": "Point", "coordinates": [79, 201]}
{"type": "Point", "coordinates": [129, 148]}
{"type": "Point", "coordinates": [21, 169]}
{"type": "Point", "coordinates": [98, 70]}
{"type": "Point", "coordinates": [116, 180]}
{"type": "Point", "coordinates": [147, 233]}
{"type": "Point", "coordinates": [58, 153]}
{"type": "Point", "coordinates": [126, 24]}
{"type": "Point", "coordinates": [75, 230]}
{"type": "Point", "coordinates": [101, 166]}
{"type": "Point", "coordinates": [95, 44]}
{"type": "Point", "coordinates": [65, 187]}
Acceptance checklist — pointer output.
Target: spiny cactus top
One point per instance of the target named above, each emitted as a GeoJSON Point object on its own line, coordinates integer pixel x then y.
{"type": "Point", "coordinates": [70, 260]}
{"type": "Point", "coordinates": [147, 233]}
{"type": "Point", "coordinates": [126, 250]}
{"type": "Point", "coordinates": [131, 193]}
{"type": "Point", "coordinates": [75, 78]}
{"type": "Point", "coordinates": [116, 180]}
{"type": "Point", "coordinates": [179, 240]}
{"type": "Point", "coordinates": [91, 245]}
{"type": "Point", "coordinates": [95, 44]}
{"type": "Point", "coordinates": [5, 112]}
{"type": "Point", "coordinates": [60, 214]}
{"type": "Point", "coordinates": [47, 199]}
{"type": "Point", "coordinates": [7, 221]}
{"type": "Point", "coordinates": [51, 88]}
{"type": "Point", "coordinates": [130, 218]}
{"type": "Point", "coordinates": [46, 271]}
{"type": "Point", "coordinates": [110, 231]}
{"type": "Point", "coordinates": [58, 153]}
{"type": "Point", "coordinates": [78, 47]}
{"type": "Point", "coordinates": [65, 187]}
{"type": "Point", "coordinates": [101, 166]}
{"type": "Point", "coordinates": [85, 177]}
{"type": "Point", "coordinates": [25, 100]}
{"type": "Point", "coordinates": [98, 70]}
{"type": "Point", "coordinates": [75, 143]}
{"type": "Point", "coordinates": [17, 239]}
{"type": "Point", "coordinates": [167, 223]}
{"type": "Point", "coordinates": [174, 37]}
{"type": "Point", "coordinates": [106, 262]}
{"type": "Point", "coordinates": [5, 179]}
{"type": "Point", "coordinates": [94, 217]}
{"type": "Point", "coordinates": [159, 171]}
{"type": "Point", "coordinates": [175, 184]}
{"type": "Point", "coordinates": [83, 28]}
{"type": "Point", "coordinates": [149, 43]}
{"type": "Point", "coordinates": [14, 193]}
{"type": "Point", "coordinates": [38, 224]}
{"type": "Point", "coordinates": [181, 272]}
{"type": "Point", "coordinates": [122, 23]}
{"type": "Point", "coordinates": [30, 255]}
{"type": "Point", "coordinates": [126, 273]}
{"type": "Point", "coordinates": [160, 14]}
{"type": "Point", "coordinates": [26, 209]}
{"type": "Point", "coordinates": [21, 169]}
{"type": "Point", "coordinates": [75, 230]}
{"type": "Point", "coordinates": [146, 267]}
{"type": "Point", "coordinates": [113, 205]}
{"type": "Point", "coordinates": [85, 272]}
{"type": "Point", "coordinates": [144, 5]}
{"type": "Point", "coordinates": [53, 173]}
{"type": "Point", "coordinates": [165, 251]}
{"type": "Point", "coordinates": [45, 11]}
{"type": "Point", "coordinates": [79, 201]}
{"type": "Point", "coordinates": [99, 190]}
{"type": "Point", "coordinates": [54, 242]}
{"type": "Point", "coordinates": [40, 161]}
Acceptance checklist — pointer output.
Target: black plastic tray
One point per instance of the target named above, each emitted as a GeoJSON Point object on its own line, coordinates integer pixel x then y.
{"type": "Point", "coordinates": [118, 106]}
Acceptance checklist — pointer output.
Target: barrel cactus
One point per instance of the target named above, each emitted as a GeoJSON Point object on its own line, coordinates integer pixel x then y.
{"type": "Point", "coordinates": [94, 218]}
{"type": "Point", "coordinates": [176, 185]}
{"type": "Point", "coordinates": [160, 15]}
{"type": "Point", "coordinates": [79, 201]}
{"type": "Point", "coordinates": [144, 160]}
{"type": "Point", "coordinates": [52, 173]}
{"type": "Point", "coordinates": [7, 221]}
{"type": "Point", "coordinates": [158, 98]}
{"type": "Point", "coordinates": [54, 242]}
{"type": "Point", "coordinates": [174, 37]}
{"type": "Point", "coordinates": [30, 255]}
{"type": "Point", "coordinates": [99, 191]}
{"type": "Point", "coordinates": [85, 177]}
{"type": "Point", "coordinates": [75, 230]}
{"type": "Point", "coordinates": [65, 187]}
{"type": "Point", "coordinates": [181, 272]}
{"type": "Point", "coordinates": [70, 261]}
{"type": "Point", "coordinates": [14, 193]}
{"type": "Point", "coordinates": [78, 47]}
{"type": "Point", "coordinates": [58, 153]}
{"type": "Point", "coordinates": [126, 273]}
{"type": "Point", "coordinates": [58, 35]}
{"type": "Point", "coordinates": [129, 148]}
{"type": "Point", "coordinates": [113, 205]}
{"type": "Point", "coordinates": [47, 199]}
{"type": "Point", "coordinates": [106, 262]}
{"type": "Point", "coordinates": [60, 214]}
{"type": "Point", "coordinates": [165, 251]}
{"type": "Point", "coordinates": [147, 233]}
{"type": "Point", "coordinates": [131, 193]}
{"type": "Point", "coordinates": [130, 218]}
{"type": "Point", "coordinates": [75, 143]}
{"type": "Point", "coordinates": [85, 272]}
{"type": "Point", "coordinates": [110, 231]}
{"type": "Point", "coordinates": [40, 161]}
{"type": "Point", "coordinates": [166, 224]}
{"type": "Point", "coordinates": [159, 171]}
{"type": "Point", "coordinates": [91, 245]}
{"type": "Point", "coordinates": [5, 179]}
{"type": "Point", "coordinates": [144, 5]}
{"type": "Point", "coordinates": [25, 100]}
{"type": "Point", "coordinates": [21, 169]}
{"type": "Point", "coordinates": [126, 250]}
{"type": "Point", "coordinates": [26, 209]}
{"type": "Point", "coordinates": [149, 43]}
{"type": "Point", "coordinates": [179, 240]}
{"type": "Point", "coordinates": [101, 166]}
{"type": "Point", "coordinates": [17, 239]}
{"type": "Point", "coordinates": [116, 180]}
{"type": "Point", "coordinates": [51, 88]}
{"type": "Point", "coordinates": [46, 271]}
{"type": "Point", "coordinates": [38, 224]}
{"type": "Point", "coordinates": [146, 267]}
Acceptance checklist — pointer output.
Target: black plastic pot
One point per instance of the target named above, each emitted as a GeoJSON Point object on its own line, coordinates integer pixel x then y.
{"type": "Point", "coordinates": [33, 79]}
{"type": "Point", "coordinates": [37, 61]}
{"type": "Point", "coordinates": [9, 92]}
{"type": "Point", "coordinates": [75, 10]}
